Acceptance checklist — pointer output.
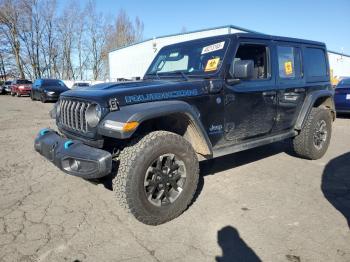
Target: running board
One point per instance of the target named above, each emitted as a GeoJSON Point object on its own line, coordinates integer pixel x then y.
{"type": "Point", "coordinates": [251, 144]}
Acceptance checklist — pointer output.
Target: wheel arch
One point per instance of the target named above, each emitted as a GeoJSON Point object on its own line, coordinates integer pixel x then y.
{"type": "Point", "coordinates": [173, 116]}
{"type": "Point", "coordinates": [320, 98]}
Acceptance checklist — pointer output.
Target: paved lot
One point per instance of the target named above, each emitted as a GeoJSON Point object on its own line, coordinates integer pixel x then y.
{"type": "Point", "coordinates": [262, 204]}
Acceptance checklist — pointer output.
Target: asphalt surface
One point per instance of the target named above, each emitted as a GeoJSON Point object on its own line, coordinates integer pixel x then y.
{"type": "Point", "coordinates": [262, 204]}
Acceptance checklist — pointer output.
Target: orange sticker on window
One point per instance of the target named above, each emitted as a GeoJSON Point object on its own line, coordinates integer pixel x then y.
{"type": "Point", "coordinates": [212, 64]}
{"type": "Point", "coordinates": [288, 68]}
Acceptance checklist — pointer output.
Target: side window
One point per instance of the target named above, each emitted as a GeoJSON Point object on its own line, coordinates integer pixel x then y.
{"type": "Point", "coordinates": [259, 54]}
{"type": "Point", "coordinates": [315, 62]}
{"type": "Point", "coordinates": [289, 64]}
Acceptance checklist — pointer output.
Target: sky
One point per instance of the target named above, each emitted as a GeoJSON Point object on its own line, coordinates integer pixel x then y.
{"type": "Point", "coordinates": [325, 21]}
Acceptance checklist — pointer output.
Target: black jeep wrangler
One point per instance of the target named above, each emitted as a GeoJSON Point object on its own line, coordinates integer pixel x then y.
{"type": "Point", "coordinates": [203, 98]}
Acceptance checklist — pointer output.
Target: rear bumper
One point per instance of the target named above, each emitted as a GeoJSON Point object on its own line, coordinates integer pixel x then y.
{"type": "Point", "coordinates": [72, 156]}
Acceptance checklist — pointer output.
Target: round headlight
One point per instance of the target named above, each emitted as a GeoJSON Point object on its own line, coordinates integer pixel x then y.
{"type": "Point", "coordinates": [93, 115]}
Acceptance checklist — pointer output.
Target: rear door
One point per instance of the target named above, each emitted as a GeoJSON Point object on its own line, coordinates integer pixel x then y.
{"type": "Point", "coordinates": [250, 105]}
{"type": "Point", "coordinates": [290, 81]}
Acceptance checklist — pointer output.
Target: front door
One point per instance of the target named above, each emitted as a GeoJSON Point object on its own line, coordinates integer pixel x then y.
{"type": "Point", "coordinates": [250, 105]}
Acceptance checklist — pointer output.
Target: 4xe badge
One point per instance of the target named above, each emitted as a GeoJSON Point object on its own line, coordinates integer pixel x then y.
{"type": "Point", "coordinates": [113, 104]}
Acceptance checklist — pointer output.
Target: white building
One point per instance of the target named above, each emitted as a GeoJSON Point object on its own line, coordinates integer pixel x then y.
{"type": "Point", "coordinates": [131, 62]}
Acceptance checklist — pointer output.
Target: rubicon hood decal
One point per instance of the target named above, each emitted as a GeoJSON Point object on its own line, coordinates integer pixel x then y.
{"type": "Point", "coordinates": [138, 92]}
{"type": "Point", "coordinates": [160, 96]}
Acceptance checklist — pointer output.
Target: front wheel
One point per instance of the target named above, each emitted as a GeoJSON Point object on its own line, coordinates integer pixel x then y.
{"type": "Point", "coordinates": [157, 177]}
{"type": "Point", "coordinates": [12, 93]}
{"type": "Point", "coordinates": [314, 138]}
{"type": "Point", "coordinates": [18, 94]}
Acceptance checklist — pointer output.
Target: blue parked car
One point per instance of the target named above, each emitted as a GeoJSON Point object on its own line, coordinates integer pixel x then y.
{"type": "Point", "coordinates": [342, 96]}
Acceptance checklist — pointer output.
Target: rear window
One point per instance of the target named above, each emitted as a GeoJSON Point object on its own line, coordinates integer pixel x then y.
{"type": "Point", "coordinates": [23, 82]}
{"type": "Point", "coordinates": [315, 62]}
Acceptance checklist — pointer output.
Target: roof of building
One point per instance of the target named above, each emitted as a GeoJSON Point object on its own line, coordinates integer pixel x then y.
{"type": "Point", "coordinates": [228, 27]}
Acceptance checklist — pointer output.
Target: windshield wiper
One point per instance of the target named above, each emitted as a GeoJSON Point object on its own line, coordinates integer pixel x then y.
{"type": "Point", "coordinates": [153, 74]}
{"type": "Point", "coordinates": [182, 74]}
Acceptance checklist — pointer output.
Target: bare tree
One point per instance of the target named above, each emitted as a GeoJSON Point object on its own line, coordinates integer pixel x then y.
{"type": "Point", "coordinates": [125, 32]}
{"type": "Point", "coordinates": [47, 45]}
{"type": "Point", "coordinates": [67, 36]}
{"type": "Point", "coordinates": [9, 21]}
{"type": "Point", "coordinates": [69, 43]}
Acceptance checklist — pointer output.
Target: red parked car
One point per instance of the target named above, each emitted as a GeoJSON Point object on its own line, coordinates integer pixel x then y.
{"type": "Point", "coordinates": [21, 87]}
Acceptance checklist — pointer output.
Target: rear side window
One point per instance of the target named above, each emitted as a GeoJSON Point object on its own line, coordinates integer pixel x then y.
{"type": "Point", "coordinates": [288, 62]}
{"type": "Point", "coordinates": [315, 62]}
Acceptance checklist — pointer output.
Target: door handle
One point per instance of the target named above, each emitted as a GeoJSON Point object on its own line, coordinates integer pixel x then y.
{"type": "Point", "coordinates": [269, 93]}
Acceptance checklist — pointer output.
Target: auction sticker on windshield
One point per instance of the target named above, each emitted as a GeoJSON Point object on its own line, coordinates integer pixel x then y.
{"type": "Point", "coordinates": [212, 64]}
{"type": "Point", "coordinates": [212, 48]}
{"type": "Point", "coordinates": [347, 96]}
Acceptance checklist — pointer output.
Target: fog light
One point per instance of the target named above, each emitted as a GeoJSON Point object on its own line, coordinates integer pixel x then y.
{"type": "Point", "coordinates": [74, 164]}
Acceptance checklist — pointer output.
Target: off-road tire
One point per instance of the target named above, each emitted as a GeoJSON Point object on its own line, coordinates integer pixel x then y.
{"type": "Point", "coordinates": [303, 143]}
{"type": "Point", "coordinates": [134, 160]}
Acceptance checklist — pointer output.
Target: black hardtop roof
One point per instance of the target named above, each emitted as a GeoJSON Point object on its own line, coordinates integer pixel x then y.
{"type": "Point", "coordinates": [278, 38]}
{"type": "Point", "coordinates": [254, 36]}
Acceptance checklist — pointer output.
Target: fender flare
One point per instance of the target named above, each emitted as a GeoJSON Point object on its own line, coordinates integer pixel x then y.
{"type": "Point", "coordinates": [309, 102]}
{"type": "Point", "coordinates": [150, 110]}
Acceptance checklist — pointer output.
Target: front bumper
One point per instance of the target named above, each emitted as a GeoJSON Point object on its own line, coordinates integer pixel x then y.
{"type": "Point", "coordinates": [51, 97]}
{"type": "Point", "coordinates": [23, 91]}
{"type": "Point", "coordinates": [72, 156]}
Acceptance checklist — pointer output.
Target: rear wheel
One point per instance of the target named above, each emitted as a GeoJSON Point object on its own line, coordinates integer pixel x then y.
{"type": "Point", "coordinates": [157, 177]}
{"type": "Point", "coordinates": [12, 93]}
{"type": "Point", "coordinates": [314, 138]}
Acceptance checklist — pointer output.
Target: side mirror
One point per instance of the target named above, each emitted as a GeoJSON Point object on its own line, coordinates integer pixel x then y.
{"type": "Point", "coordinates": [242, 69]}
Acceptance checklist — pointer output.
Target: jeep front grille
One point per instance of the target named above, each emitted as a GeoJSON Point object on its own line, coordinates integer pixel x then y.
{"type": "Point", "coordinates": [72, 114]}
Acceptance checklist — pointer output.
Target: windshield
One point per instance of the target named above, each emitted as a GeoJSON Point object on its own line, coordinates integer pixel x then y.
{"type": "Point", "coordinates": [191, 58]}
{"type": "Point", "coordinates": [23, 82]}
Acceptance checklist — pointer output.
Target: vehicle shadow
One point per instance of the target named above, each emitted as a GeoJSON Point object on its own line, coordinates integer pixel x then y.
{"type": "Point", "coordinates": [219, 164]}
{"type": "Point", "coordinates": [336, 184]}
{"type": "Point", "coordinates": [233, 247]}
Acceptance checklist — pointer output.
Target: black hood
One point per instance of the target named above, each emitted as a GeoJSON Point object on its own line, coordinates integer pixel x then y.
{"type": "Point", "coordinates": [138, 91]}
